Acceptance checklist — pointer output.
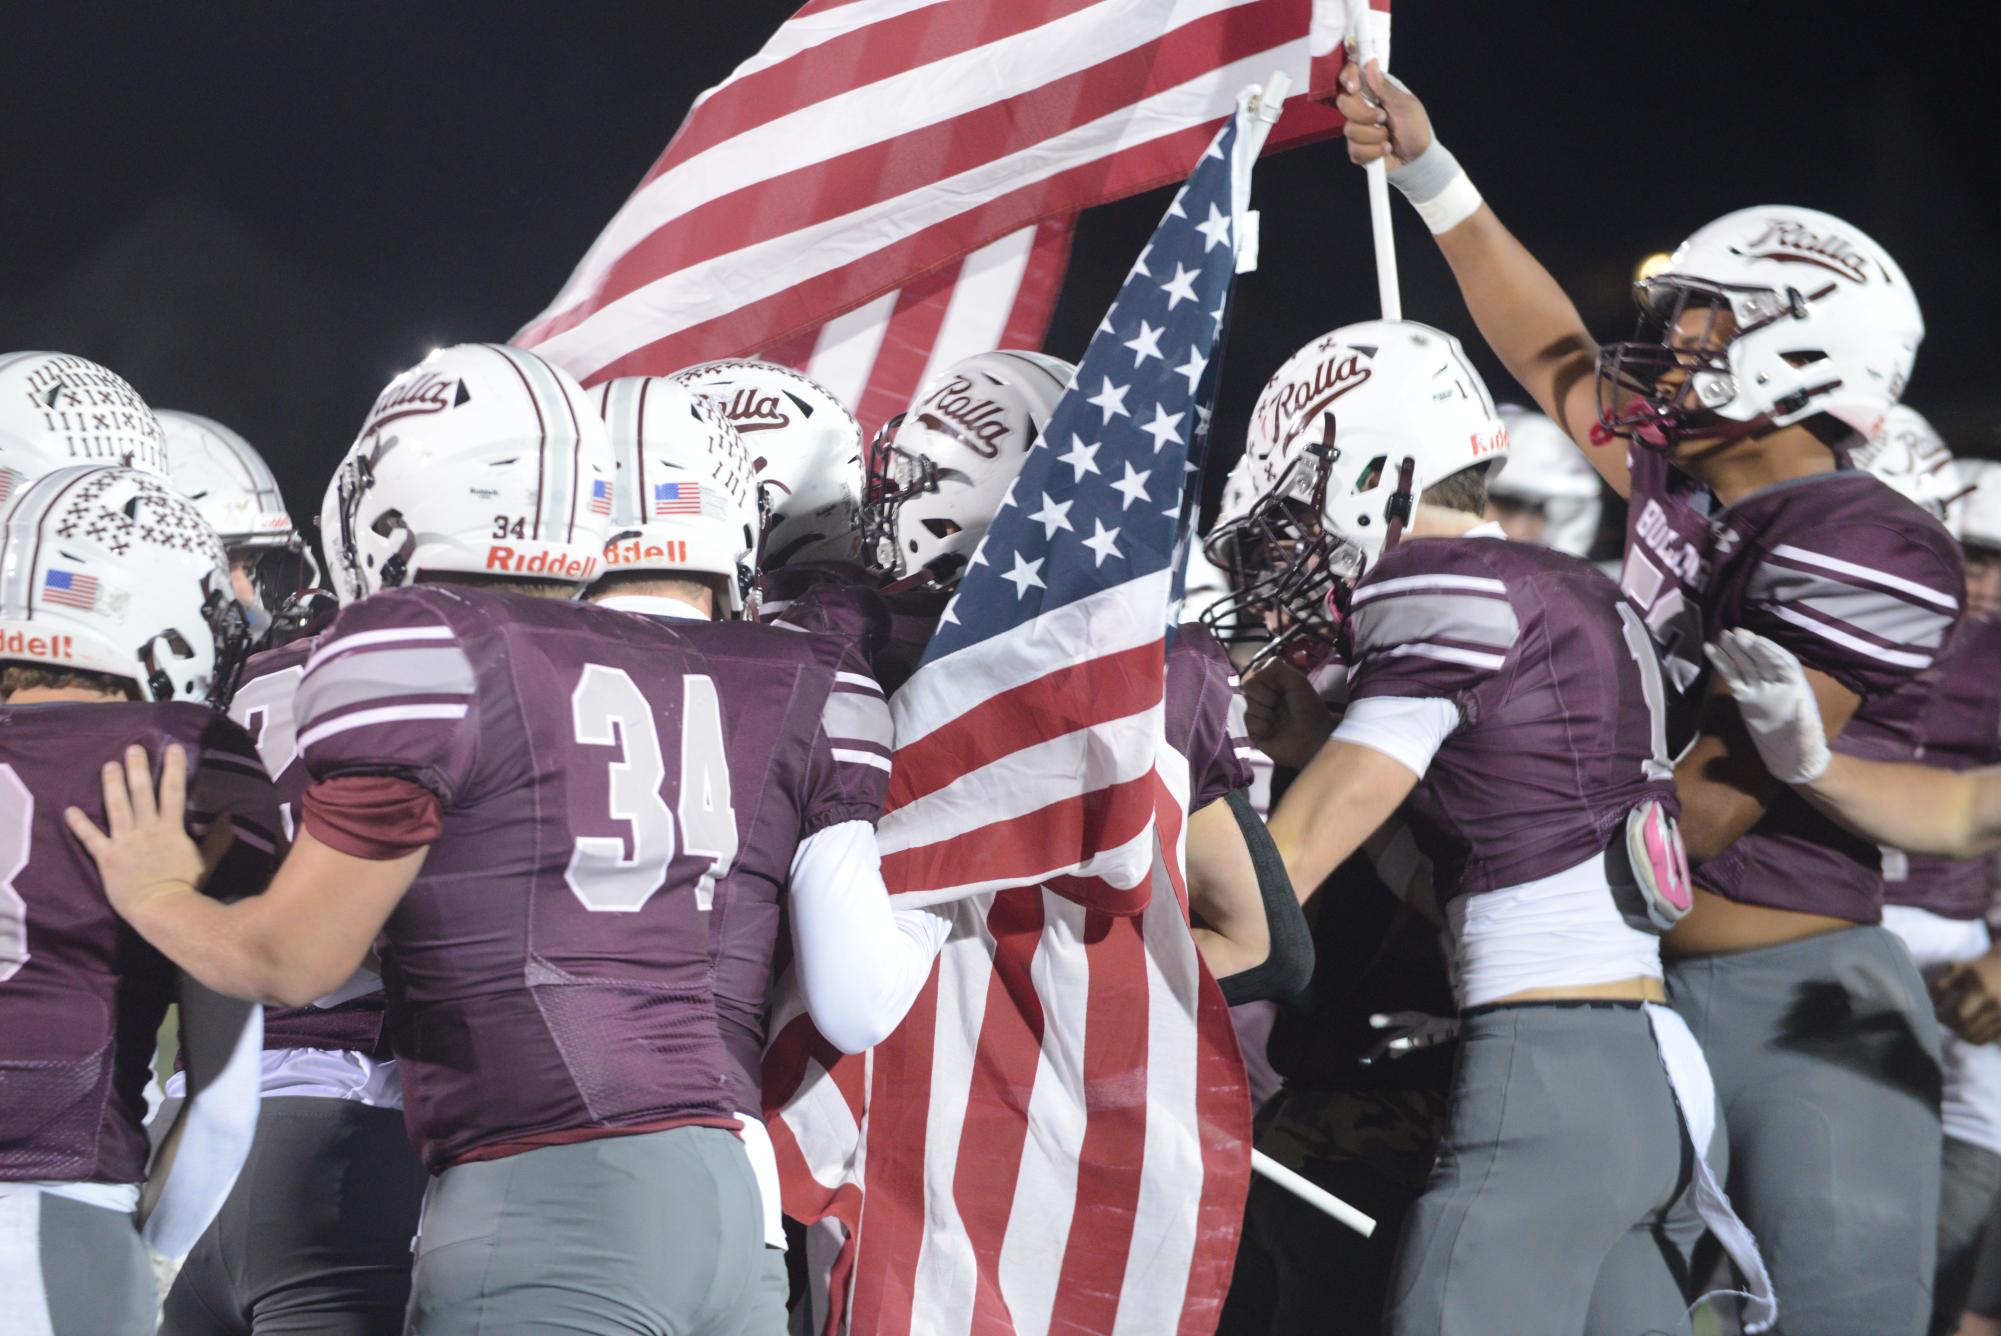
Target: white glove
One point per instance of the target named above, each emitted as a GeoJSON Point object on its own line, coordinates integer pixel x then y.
{"type": "Point", "coordinates": [1776, 702]}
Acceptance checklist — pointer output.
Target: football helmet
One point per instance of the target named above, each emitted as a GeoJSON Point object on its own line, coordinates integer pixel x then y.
{"type": "Point", "coordinates": [1763, 318]}
{"type": "Point", "coordinates": [806, 447]}
{"type": "Point", "coordinates": [1912, 458]}
{"type": "Point", "coordinates": [1343, 440]}
{"type": "Point", "coordinates": [1976, 515]}
{"type": "Point", "coordinates": [938, 470]}
{"type": "Point", "coordinates": [234, 489]}
{"type": "Point", "coordinates": [59, 411]}
{"type": "Point", "coordinates": [480, 460]}
{"type": "Point", "coordinates": [110, 570]}
{"type": "Point", "coordinates": [1544, 469]}
{"type": "Point", "coordinates": [687, 495]}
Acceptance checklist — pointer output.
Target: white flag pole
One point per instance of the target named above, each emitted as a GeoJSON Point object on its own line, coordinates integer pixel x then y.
{"type": "Point", "coordinates": [1312, 1193]}
{"type": "Point", "coordinates": [1369, 39]}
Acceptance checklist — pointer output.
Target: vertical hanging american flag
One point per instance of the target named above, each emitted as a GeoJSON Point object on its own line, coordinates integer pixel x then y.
{"type": "Point", "coordinates": [1056, 1138]}
{"type": "Point", "coordinates": [889, 185]}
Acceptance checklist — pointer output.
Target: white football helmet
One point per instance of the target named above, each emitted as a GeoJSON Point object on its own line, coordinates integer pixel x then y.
{"type": "Point", "coordinates": [59, 411]}
{"type": "Point", "coordinates": [1546, 470]}
{"type": "Point", "coordinates": [1343, 440]}
{"type": "Point", "coordinates": [806, 447]}
{"type": "Point", "coordinates": [1976, 516]}
{"type": "Point", "coordinates": [1822, 321]}
{"type": "Point", "coordinates": [687, 497]}
{"type": "Point", "coordinates": [1912, 458]}
{"type": "Point", "coordinates": [110, 570]}
{"type": "Point", "coordinates": [234, 489]}
{"type": "Point", "coordinates": [480, 460]}
{"type": "Point", "coordinates": [938, 471]}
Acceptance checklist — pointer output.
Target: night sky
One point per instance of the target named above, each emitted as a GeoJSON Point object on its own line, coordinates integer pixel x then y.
{"type": "Point", "coordinates": [263, 212]}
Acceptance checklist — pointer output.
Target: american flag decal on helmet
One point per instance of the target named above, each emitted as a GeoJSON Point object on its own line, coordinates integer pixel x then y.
{"type": "Point", "coordinates": [69, 589]}
{"type": "Point", "coordinates": [600, 497]}
{"type": "Point", "coordinates": [677, 498]}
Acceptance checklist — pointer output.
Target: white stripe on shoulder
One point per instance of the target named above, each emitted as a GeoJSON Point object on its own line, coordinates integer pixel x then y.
{"type": "Point", "coordinates": [859, 757]}
{"type": "Point", "coordinates": [858, 680]}
{"type": "Point", "coordinates": [388, 714]}
{"type": "Point", "coordinates": [1911, 587]}
{"type": "Point", "coordinates": [1406, 584]}
{"type": "Point", "coordinates": [1847, 641]}
{"type": "Point", "coordinates": [371, 639]}
{"type": "Point", "coordinates": [1449, 653]}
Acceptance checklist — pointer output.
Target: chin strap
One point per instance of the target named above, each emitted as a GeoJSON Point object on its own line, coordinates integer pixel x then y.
{"type": "Point", "coordinates": [1402, 502]}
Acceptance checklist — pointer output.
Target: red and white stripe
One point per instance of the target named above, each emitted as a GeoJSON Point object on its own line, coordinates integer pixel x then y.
{"type": "Point", "coordinates": [889, 184]}
{"type": "Point", "coordinates": [1104, 1033]}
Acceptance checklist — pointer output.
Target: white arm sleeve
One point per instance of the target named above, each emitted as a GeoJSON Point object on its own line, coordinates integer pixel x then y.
{"type": "Point", "coordinates": [860, 961]}
{"type": "Point", "coordinates": [1407, 729]}
{"type": "Point", "coordinates": [224, 1040]}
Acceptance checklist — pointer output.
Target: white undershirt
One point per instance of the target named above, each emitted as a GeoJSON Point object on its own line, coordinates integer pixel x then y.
{"type": "Point", "coordinates": [1559, 931]}
{"type": "Point", "coordinates": [1407, 729]}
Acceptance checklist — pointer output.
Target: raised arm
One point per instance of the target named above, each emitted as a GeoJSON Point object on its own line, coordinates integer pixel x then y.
{"type": "Point", "coordinates": [1911, 807]}
{"type": "Point", "coordinates": [1531, 325]}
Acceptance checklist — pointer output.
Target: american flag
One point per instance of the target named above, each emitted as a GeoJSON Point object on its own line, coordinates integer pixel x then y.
{"type": "Point", "coordinates": [69, 589]}
{"type": "Point", "coordinates": [600, 497]}
{"type": "Point", "coordinates": [889, 186]}
{"type": "Point", "coordinates": [677, 498]}
{"type": "Point", "coordinates": [1056, 1138]}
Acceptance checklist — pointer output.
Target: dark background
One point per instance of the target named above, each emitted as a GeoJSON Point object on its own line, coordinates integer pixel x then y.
{"type": "Point", "coordinates": [264, 212]}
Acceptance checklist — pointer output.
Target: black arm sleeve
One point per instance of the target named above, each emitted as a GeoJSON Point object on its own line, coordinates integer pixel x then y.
{"type": "Point", "coordinates": [1288, 966]}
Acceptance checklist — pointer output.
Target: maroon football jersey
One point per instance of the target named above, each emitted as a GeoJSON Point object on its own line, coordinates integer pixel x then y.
{"type": "Point", "coordinates": [1864, 586]}
{"type": "Point", "coordinates": [81, 995]}
{"type": "Point", "coordinates": [266, 704]}
{"type": "Point", "coordinates": [1960, 729]}
{"type": "Point", "coordinates": [599, 773]}
{"type": "Point", "coordinates": [1664, 574]}
{"type": "Point", "coordinates": [1560, 698]}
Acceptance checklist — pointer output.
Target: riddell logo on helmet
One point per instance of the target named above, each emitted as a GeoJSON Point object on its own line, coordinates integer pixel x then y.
{"type": "Point", "coordinates": [428, 393]}
{"type": "Point", "coordinates": [982, 421]}
{"type": "Point", "coordinates": [552, 564]}
{"type": "Point", "coordinates": [637, 550]}
{"type": "Point", "coordinates": [748, 410]}
{"type": "Point", "coordinates": [1302, 401]}
{"type": "Point", "coordinates": [1491, 443]}
{"type": "Point", "coordinates": [36, 647]}
{"type": "Point", "coordinates": [1791, 242]}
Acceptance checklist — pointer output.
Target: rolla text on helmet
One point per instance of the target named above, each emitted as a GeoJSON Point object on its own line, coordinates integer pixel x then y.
{"type": "Point", "coordinates": [1792, 242]}
{"type": "Point", "coordinates": [1298, 402]}
{"type": "Point", "coordinates": [748, 410]}
{"type": "Point", "coordinates": [982, 422]}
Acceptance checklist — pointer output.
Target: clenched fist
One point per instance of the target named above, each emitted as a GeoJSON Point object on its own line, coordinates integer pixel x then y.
{"type": "Point", "coordinates": [1286, 717]}
{"type": "Point", "coordinates": [1385, 119]}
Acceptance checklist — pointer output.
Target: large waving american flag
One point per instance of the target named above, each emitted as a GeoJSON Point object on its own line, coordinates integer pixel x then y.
{"type": "Point", "coordinates": [1056, 1138]}
{"type": "Point", "coordinates": [888, 186]}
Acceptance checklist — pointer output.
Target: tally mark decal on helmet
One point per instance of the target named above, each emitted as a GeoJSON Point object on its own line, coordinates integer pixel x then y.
{"type": "Point", "coordinates": [109, 570]}
{"type": "Point", "coordinates": [59, 411]}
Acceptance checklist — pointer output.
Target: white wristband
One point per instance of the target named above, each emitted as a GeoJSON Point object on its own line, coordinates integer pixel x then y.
{"type": "Point", "coordinates": [1438, 187]}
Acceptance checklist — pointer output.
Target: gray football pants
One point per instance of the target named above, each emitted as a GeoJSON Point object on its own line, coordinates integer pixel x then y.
{"type": "Point", "coordinates": [315, 1237]}
{"type": "Point", "coordinates": [660, 1234]}
{"type": "Point", "coordinates": [1969, 1184]}
{"type": "Point", "coordinates": [68, 1269]}
{"type": "Point", "coordinates": [1826, 1061]}
{"type": "Point", "coordinates": [1546, 1214]}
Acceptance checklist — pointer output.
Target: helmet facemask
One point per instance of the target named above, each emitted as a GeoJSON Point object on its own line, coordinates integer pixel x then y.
{"type": "Point", "coordinates": [895, 477]}
{"type": "Point", "coordinates": [1679, 375]}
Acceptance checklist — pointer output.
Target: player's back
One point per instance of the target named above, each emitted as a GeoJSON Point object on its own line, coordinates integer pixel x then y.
{"type": "Point", "coordinates": [1558, 693]}
{"type": "Point", "coordinates": [81, 995]}
{"type": "Point", "coordinates": [597, 771]}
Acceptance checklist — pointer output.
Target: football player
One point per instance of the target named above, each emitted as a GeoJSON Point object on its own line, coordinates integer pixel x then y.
{"type": "Point", "coordinates": [270, 565]}
{"type": "Point", "coordinates": [317, 1231]}
{"type": "Point", "coordinates": [684, 548]}
{"type": "Point", "coordinates": [58, 411]}
{"type": "Point", "coordinates": [1514, 699]}
{"type": "Point", "coordinates": [1774, 339]}
{"type": "Point", "coordinates": [118, 634]}
{"type": "Point", "coordinates": [1977, 516]}
{"type": "Point", "coordinates": [532, 801]}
